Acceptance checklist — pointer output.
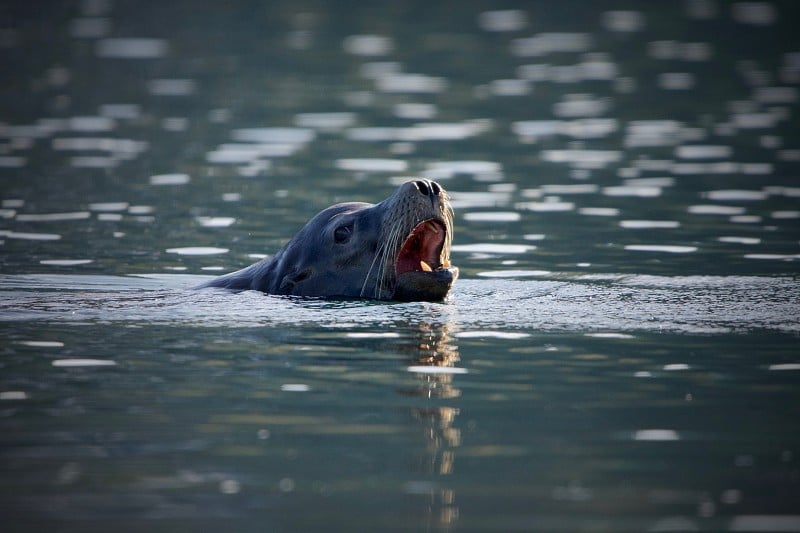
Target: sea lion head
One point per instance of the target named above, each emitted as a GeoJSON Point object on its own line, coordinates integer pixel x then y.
{"type": "Point", "coordinates": [398, 249]}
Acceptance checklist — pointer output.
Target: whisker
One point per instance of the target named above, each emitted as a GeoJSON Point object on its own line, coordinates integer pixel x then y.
{"type": "Point", "coordinates": [381, 256]}
{"type": "Point", "coordinates": [398, 236]}
{"type": "Point", "coordinates": [389, 251]}
{"type": "Point", "coordinates": [381, 274]}
{"type": "Point", "coordinates": [378, 254]}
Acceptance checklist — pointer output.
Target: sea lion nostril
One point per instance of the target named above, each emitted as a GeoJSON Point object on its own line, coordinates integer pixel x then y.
{"type": "Point", "coordinates": [428, 187]}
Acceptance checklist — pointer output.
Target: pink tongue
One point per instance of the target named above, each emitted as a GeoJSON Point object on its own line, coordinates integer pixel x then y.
{"type": "Point", "coordinates": [424, 244]}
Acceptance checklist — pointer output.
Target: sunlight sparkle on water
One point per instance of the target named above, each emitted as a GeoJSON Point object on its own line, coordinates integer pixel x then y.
{"type": "Point", "coordinates": [274, 135]}
{"type": "Point", "coordinates": [121, 111]}
{"type": "Point", "coordinates": [53, 217]}
{"type": "Point", "coordinates": [510, 87]}
{"type": "Point", "coordinates": [368, 45]}
{"type": "Point", "coordinates": [170, 179]}
{"type": "Point", "coordinates": [467, 200]}
{"type": "Point", "coordinates": [415, 111]}
{"type": "Point", "coordinates": [774, 257]}
{"type": "Point", "coordinates": [12, 161]}
{"type": "Point", "coordinates": [42, 344]}
{"type": "Point", "coordinates": [580, 188]}
{"type": "Point", "coordinates": [197, 250]}
{"type": "Point", "coordinates": [420, 369]}
{"type": "Point", "coordinates": [65, 262]}
{"type": "Point", "coordinates": [547, 43]}
{"type": "Point", "coordinates": [90, 123]}
{"type": "Point", "coordinates": [13, 395]}
{"type": "Point", "coordinates": [740, 240]}
{"type": "Point", "coordinates": [582, 128]}
{"type": "Point", "coordinates": [141, 210]}
{"type": "Point", "coordinates": [649, 224]}
{"type": "Point", "coordinates": [609, 335]}
{"type": "Point", "coordinates": [587, 159]}
{"type": "Point", "coordinates": [599, 211]}
{"type": "Point", "coordinates": [656, 435]}
{"type": "Point", "coordinates": [30, 236]}
{"type": "Point", "coordinates": [491, 334]}
{"type": "Point", "coordinates": [623, 21]}
{"type": "Point", "coordinates": [733, 195]}
{"type": "Point", "coordinates": [79, 363]}
{"type": "Point", "coordinates": [172, 87]}
{"type": "Point", "coordinates": [372, 165]}
{"type": "Point", "coordinates": [131, 48]}
{"type": "Point", "coordinates": [493, 248]}
{"type": "Point", "coordinates": [503, 20]}
{"type": "Point", "coordinates": [632, 190]}
{"type": "Point", "coordinates": [514, 273]}
{"type": "Point", "coordinates": [497, 216]}
{"type": "Point", "coordinates": [715, 210]}
{"type": "Point", "coordinates": [650, 182]}
{"type": "Point", "coordinates": [465, 167]}
{"type": "Point", "coordinates": [785, 366]}
{"type": "Point", "coordinates": [410, 83]}
{"type": "Point", "coordinates": [108, 206]}
{"type": "Point", "coordinates": [333, 121]}
{"type": "Point", "coordinates": [676, 81]}
{"type": "Point", "coordinates": [703, 152]}
{"type": "Point", "coordinates": [581, 105]}
{"type": "Point", "coordinates": [446, 131]}
{"type": "Point", "coordinates": [785, 215]}
{"type": "Point", "coordinates": [239, 153]}
{"type": "Point", "coordinates": [673, 367]}
{"type": "Point", "coordinates": [215, 222]}
{"type": "Point", "coordinates": [661, 248]}
{"type": "Point", "coordinates": [295, 387]}
{"type": "Point", "coordinates": [546, 206]}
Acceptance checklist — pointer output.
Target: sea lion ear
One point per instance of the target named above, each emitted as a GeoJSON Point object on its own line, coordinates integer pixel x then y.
{"type": "Point", "coordinates": [291, 279]}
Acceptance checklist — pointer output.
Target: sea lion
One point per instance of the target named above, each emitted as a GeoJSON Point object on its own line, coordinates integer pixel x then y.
{"type": "Point", "coordinates": [398, 249]}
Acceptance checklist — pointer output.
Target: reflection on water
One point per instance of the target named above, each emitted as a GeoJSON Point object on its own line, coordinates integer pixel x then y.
{"type": "Point", "coordinates": [619, 353]}
{"type": "Point", "coordinates": [434, 364]}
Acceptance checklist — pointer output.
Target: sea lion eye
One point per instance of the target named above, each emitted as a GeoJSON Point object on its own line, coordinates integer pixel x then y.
{"type": "Point", "coordinates": [342, 234]}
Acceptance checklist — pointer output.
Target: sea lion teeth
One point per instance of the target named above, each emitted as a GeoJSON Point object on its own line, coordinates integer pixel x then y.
{"type": "Point", "coordinates": [425, 266]}
{"type": "Point", "coordinates": [446, 263]}
{"type": "Point", "coordinates": [433, 227]}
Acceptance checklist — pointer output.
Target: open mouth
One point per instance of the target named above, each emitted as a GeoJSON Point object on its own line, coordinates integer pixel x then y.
{"type": "Point", "coordinates": [424, 250]}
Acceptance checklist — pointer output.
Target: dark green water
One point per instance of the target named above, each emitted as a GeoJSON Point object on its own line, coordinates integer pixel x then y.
{"type": "Point", "coordinates": [620, 353]}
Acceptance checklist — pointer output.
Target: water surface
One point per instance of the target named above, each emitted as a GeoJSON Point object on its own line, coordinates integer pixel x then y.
{"type": "Point", "coordinates": [620, 353]}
